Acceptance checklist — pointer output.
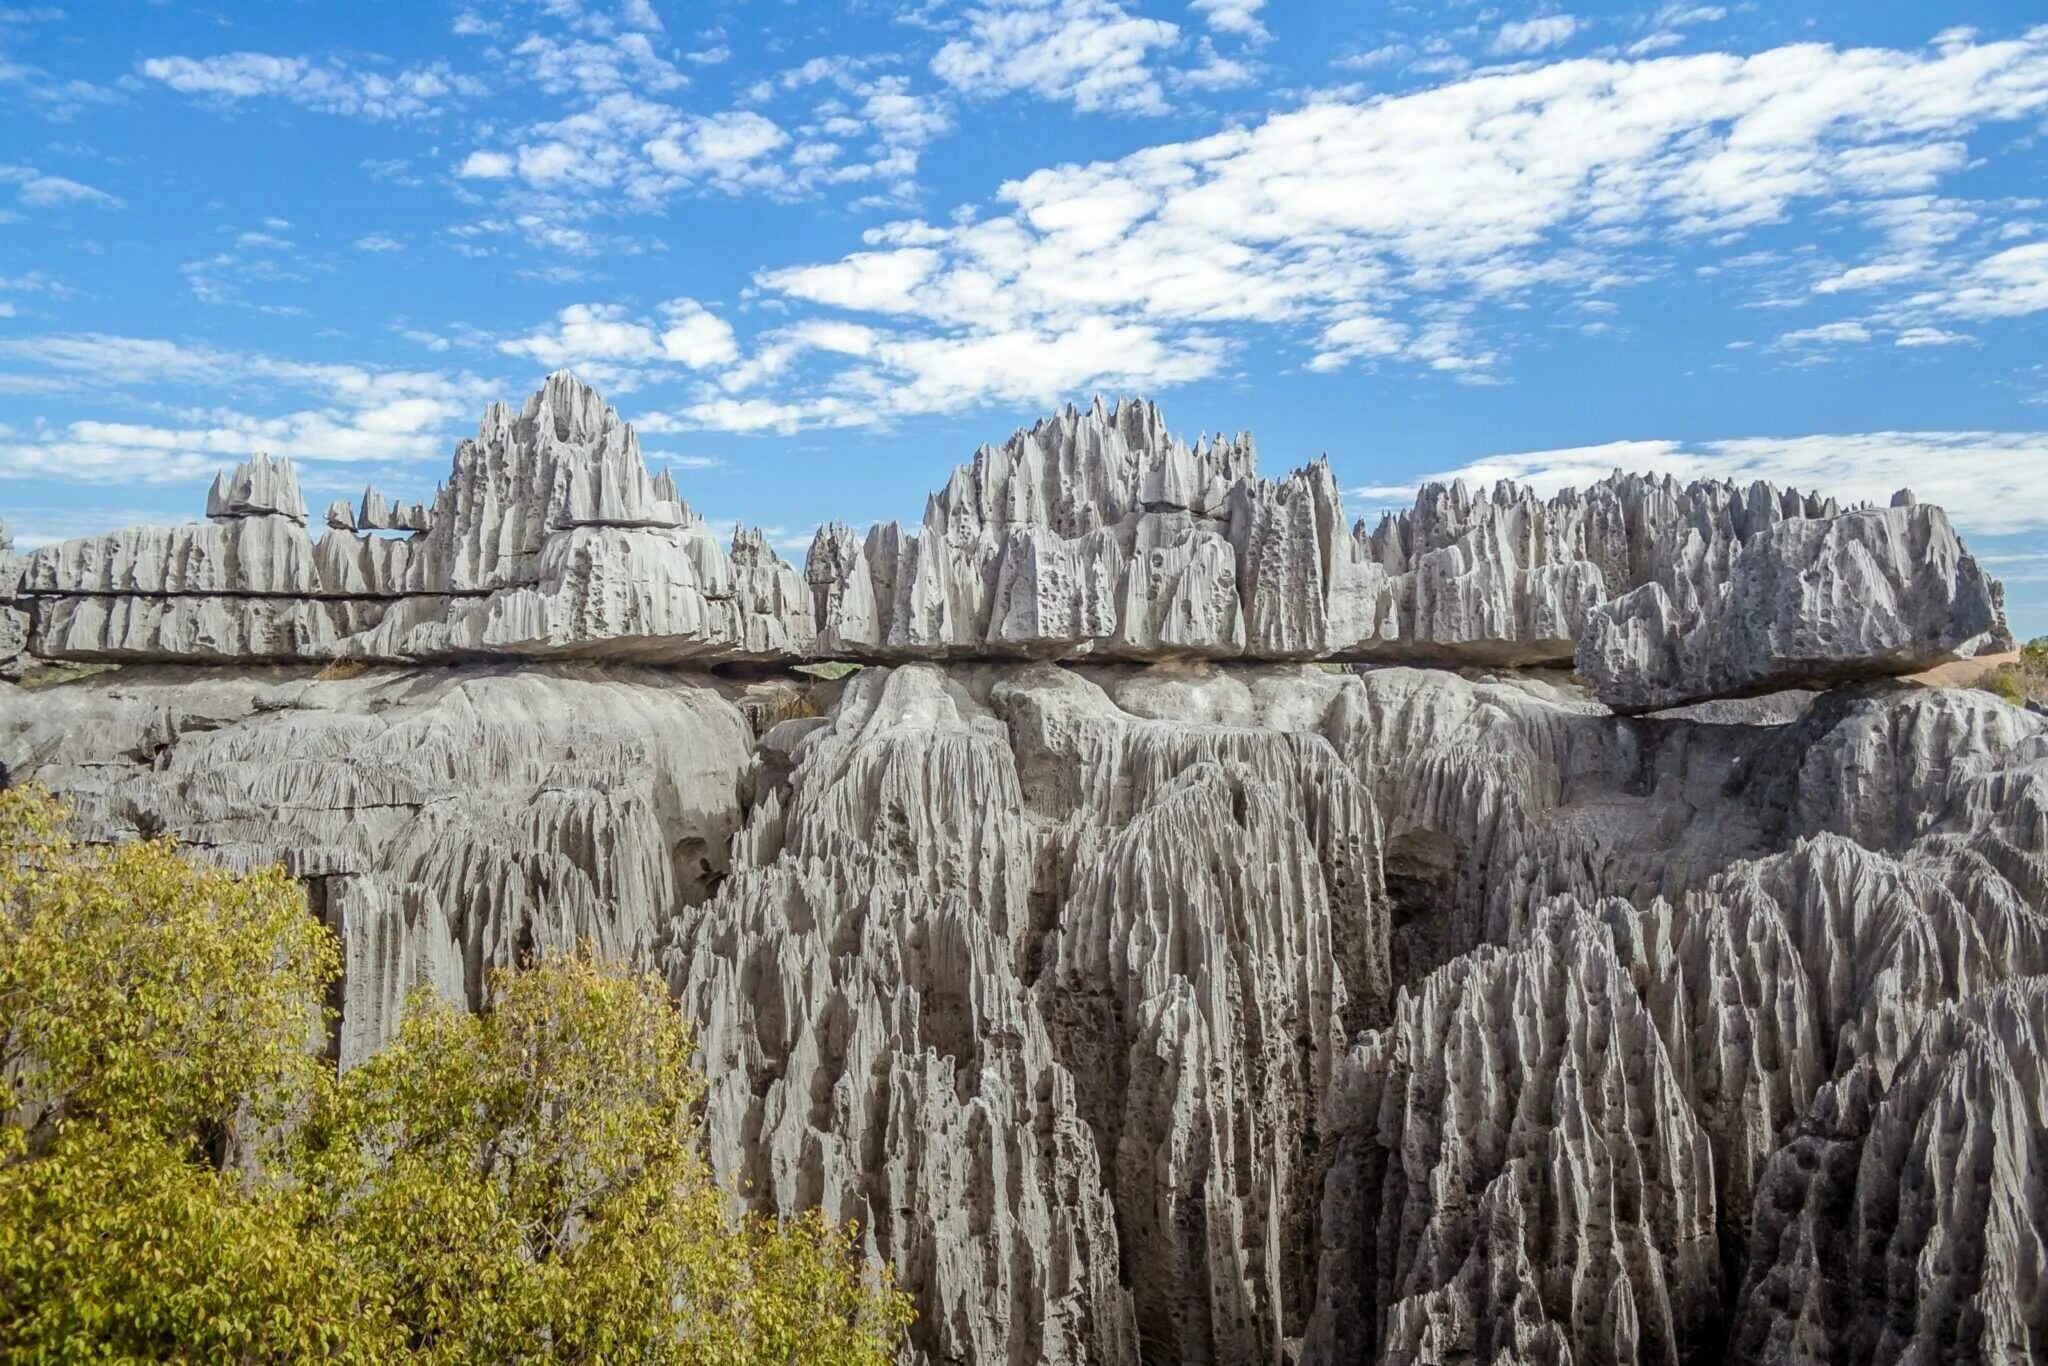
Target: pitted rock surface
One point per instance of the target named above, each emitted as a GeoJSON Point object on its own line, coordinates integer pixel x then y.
{"type": "Point", "coordinates": [1154, 949]}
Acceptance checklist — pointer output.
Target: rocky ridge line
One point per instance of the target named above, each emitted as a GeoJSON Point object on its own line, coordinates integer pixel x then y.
{"type": "Point", "coordinates": [1092, 535]}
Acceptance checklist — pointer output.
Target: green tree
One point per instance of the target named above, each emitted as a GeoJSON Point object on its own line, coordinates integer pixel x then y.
{"type": "Point", "coordinates": [181, 1177]}
{"type": "Point", "coordinates": [155, 1017]}
{"type": "Point", "coordinates": [524, 1183]}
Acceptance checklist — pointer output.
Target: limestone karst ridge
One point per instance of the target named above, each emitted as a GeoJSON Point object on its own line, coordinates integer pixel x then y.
{"type": "Point", "coordinates": [1143, 992]}
{"type": "Point", "coordinates": [1094, 534]}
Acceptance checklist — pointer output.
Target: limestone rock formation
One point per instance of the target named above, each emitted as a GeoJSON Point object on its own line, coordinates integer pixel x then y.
{"type": "Point", "coordinates": [1145, 989]}
{"type": "Point", "coordinates": [261, 487]}
{"type": "Point", "coordinates": [1517, 1169]}
{"type": "Point", "coordinates": [549, 539]}
{"type": "Point", "coordinates": [1804, 603]}
{"type": "Point", "coordinates": [1092, 535]}
{"type": "Point", "coordinates": [1905, 1222]}
{"type": "Point", "coordinates": [444, 822]}
{"type": "Point", "coordinates": [1223, 1013]}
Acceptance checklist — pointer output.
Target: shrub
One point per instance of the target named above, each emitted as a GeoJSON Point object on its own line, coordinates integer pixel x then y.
{"type": "Point", "coordinates": [529, 1176]}
{"type": "Point", "coordinates": [182, 1179]}
{"type": "Point", "coordinates": [155, 1023]}
{"type": "Point", "coordinates": [2007, 682]}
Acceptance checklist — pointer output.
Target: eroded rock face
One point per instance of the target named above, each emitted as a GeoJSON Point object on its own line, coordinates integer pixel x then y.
{"type": "Point", "coordinates": [1219, 1013]}
{"type": "Point", "coordinates": [550, 539]}
{"type": "Point", "coordinates": [1144, 991]}
{"type": "Point", "coordinates": [1517, 1169]}
{"type": "Point", "coordinates": [1805, 603]}
{"type": "Point", "coordinates": [1904, 1222]}
{"type": "Point", "coordinates": [444, 822]}
{"type": "Point", "coordinates": [1093, 535]}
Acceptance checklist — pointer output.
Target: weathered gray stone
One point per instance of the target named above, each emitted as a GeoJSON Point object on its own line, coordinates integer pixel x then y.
{"type": "Point", "coordinates": [258, 487]}
{"type": "Point", "coordinates": [445, 821]}
{"type": "Point", "coordinates": [1806, 603]}
{"type": "Point", "coordinates": [1093, 535]}
{"type": "Point", "coordinates": [1205, 1012]}
{"type": "Point", "coordinates": [1904, 1222]}
{"type": "Point", "coordinates": [1142, 1003]}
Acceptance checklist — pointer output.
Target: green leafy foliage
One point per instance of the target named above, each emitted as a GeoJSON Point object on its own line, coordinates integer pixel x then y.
{"type": "Point", "coordinates": [523, 1184]}
{"type": "Point", "coordinates": [142, 991]}
{"type": "Point", "coordinates": [116, 1242]}
{"type": "Point", "coordinates": [2023, 681]}
{"type": "Point", "coordinates": [182, 1179]}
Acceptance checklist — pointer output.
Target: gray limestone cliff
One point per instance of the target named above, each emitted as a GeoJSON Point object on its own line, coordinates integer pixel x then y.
{"type": "Point", "coordinates": [1093, 535]}
{"type": "Point", "coordinates": [1146, 989]}
{"type": "Point", "coordinates": [1216, 1013]}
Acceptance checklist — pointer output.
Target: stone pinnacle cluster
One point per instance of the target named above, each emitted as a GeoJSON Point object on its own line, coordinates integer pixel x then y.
{"type": "Point", "coordinates": [1094, 535]}
{"type": "Point", "coordinates": [1144, 992]}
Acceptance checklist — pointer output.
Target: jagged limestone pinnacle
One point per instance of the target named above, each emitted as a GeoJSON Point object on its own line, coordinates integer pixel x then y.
{"type": "Point", "coordinates": [1092, 534]}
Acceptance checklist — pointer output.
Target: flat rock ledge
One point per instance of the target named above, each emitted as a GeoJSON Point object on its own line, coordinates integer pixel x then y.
{"type": "Point", "coordinates": [1094, 535]}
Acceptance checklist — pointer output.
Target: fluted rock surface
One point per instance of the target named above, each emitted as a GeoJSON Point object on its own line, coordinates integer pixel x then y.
{"type": "Point", "coordinates": [1517, 1169]}
{"type": "Point", "coordinates": [550, 538]}
{"type": "Point", "coordinates": [1145, 991]}
{"type": "Point", "coordinates": [1806, 602]}
{"type": "Point", "coordinates": [1092, 535]}
{"type": "Point", "coordinates": [1214, 1013]}
{"type": "Point", "coordinates": [444, 822]}
{"type": "Point", "coordinates": [1905, 1222]}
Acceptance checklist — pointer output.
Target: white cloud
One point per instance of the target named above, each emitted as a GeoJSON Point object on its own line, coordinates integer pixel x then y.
{"type": "Point", "coordinates": [41, 190]}
{"type": "Point", "coordinates": [55, 97]}
{"type": "Point", "coordinates": [750, 415]}
{"type": "Point", "coordinates": [867, 282]}
{"type": "Point", "coordinates": [1875, 275]}
{"type": "Point", "coordinates": [1827, 334]}
{"type": "Point", "coordinates": [584, 333]}
{"type": "Point", "coordinates": [2008, 285]}
{"type": "Point", "coordinates": [613, 348]}
{"type": "Point", "coordinates": [332, 412]}
{"type": "Point", "coordinates": [1092, 53]}
{"type": "Point", "coordinates": [485, 166]}
{"type": "Point", "coordinates": [619, 62]}
{"type": "Point", "coordinates": [695, 337]}
{"type": "Point", "coordinates": [721, 147]}
{"type": "Point", "coordinates": [330, 87]}
{"type": "Point", "coordinates": [1680, 16]}
{"type": "Point", "coordinates": [379, 242]}
{"type": "Point", "coordinates": [1991, 483]}
{"type": "Point", "coordinates": [1534, 35]}
{"type": "Point", "coordinates": [1373, 57]}
{"type": "Point", "coordinates": [1931, 336]}
{"type": "Point", "coordinates": [667, 459]}
{"type": "Point", "coordinates": [1389, 230]}
{"type": "Point", "coordinates": [620, 146]}
{"type": "Point", "coordinates": [1214, 72]}
{"type": "Point", "coordinates": [1239, 17]}
{"type": "Point", "coordinates": [646, 152]}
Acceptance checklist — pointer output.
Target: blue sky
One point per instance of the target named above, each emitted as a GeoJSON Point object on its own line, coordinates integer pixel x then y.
{"type": "Point", "coordinates": [818, 252]}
